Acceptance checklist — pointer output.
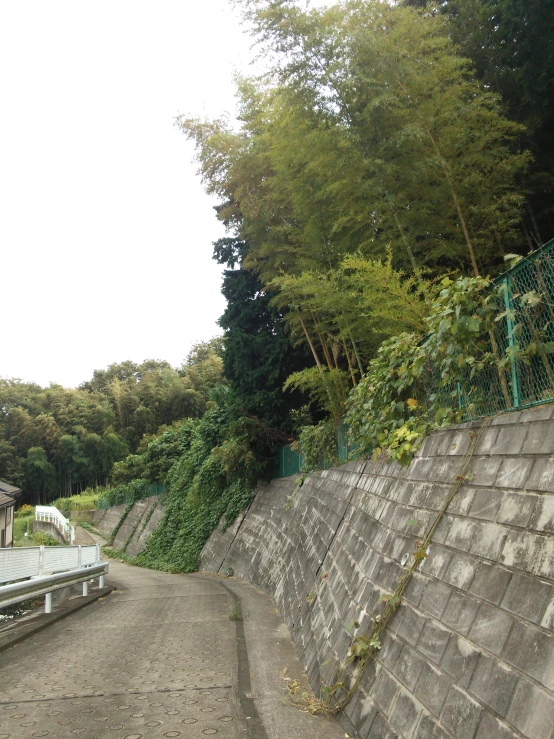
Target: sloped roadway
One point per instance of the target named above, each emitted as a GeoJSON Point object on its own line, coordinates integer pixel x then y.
{"type": "Point", "coordinates": [163, 656]}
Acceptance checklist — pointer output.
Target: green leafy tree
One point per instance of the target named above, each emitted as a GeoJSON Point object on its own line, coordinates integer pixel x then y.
{"type": "Point", "coordinates": [114, 448]}
{"type": "Point", "coordinates": [40, 476]}
{"type": "Point", "coordinates": [509, 44]}
{"type": "Point", "coordinates": [72, 463]}
{"type": "Point", "coordinates": [258, 354]}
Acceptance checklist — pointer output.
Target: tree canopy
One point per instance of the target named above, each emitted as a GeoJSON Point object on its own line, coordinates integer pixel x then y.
{"type": "Point", "coordinates": [56, 441]}
{"type": "Point", "coordinates": [369, 159]}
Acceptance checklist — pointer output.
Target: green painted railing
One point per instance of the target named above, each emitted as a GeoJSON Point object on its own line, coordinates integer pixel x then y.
{"type": "Point", "coordinates": [149, 491]}
{"type": "Point", "coordinates": [525, 322]}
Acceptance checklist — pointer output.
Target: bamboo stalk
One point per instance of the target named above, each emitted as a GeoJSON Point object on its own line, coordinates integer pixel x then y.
{"type": "Point", "coordinates": [322, 343]}
{"type": "Point", "coordinates": [454, 194]}
{"type": "Point", "coordinates": [349, 363]}
{"type": "Point", "coordinates": [402, 233]}
{"type": "Point", "coordinates": [312, 347]}
{"type": "Point", "coordinates": [357, 355]}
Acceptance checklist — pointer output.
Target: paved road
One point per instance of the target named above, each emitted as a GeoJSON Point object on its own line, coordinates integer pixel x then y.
{"type": "Point", "coordinates": [160, 657]}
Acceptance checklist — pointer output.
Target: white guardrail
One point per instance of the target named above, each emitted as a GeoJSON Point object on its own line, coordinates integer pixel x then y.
{"type": "Point", "coordinates": [53, 516]}
{"type": "Point", "coordinates": [47, 569]}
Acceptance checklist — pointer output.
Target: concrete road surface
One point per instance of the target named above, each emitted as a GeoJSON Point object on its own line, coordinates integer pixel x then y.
{"type": "Point", "coordinates": [163, 656]}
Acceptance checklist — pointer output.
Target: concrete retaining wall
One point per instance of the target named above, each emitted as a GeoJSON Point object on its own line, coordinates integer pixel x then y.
{"type": "Point", "coordinates": [105, 520]}
{"type": "Point", "coordinates": [48, 528]}
{"type": "Point", "coordinates": [151, 517]}
{"type": "Point", "coordinates": [470, 653]}
{"type": "Point", "coordinates": [88, 516]}
{"type": "Point", "coordinates": [136, 528]}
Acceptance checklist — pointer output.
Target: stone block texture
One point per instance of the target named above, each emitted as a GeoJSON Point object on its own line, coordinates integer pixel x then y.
{"type": "Point", "coordinates": [135, 529]}
{"type": "Point", "coordinates": [470, 652]}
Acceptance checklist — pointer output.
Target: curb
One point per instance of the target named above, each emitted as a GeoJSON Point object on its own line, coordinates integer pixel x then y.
{"type": "Point", "coordinates": [40, 621]}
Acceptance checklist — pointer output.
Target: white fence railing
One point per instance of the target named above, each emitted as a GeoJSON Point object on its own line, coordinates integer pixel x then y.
{"type": "Point", "coordinates": [53, 515]}
{"type": "Point", "coordinates": [47, 569]}
{"type": "Point", "coordinates": [22, 562]}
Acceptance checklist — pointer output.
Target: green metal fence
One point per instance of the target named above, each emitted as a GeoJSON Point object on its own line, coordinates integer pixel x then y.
{"type": "Point", "coordinates": [525, 301]}
{"type": "Point", "coordinates": [288, 462]}
{"type": "Point", "coordinates": [524, 334]}
{"type": "Point", "coordinates": [149, 491]}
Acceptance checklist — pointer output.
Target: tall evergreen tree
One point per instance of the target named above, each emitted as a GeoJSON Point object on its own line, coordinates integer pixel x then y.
{"type": "Point", "coordinates": [258, 354]}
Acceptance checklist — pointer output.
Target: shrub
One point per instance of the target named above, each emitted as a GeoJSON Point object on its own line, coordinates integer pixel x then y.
{"type": "Point", "coordinates": [85, 501]}
{"type": "Point", "coordinates": [25, 510]}
{"type": "Point", "coordinates": [407, 389]}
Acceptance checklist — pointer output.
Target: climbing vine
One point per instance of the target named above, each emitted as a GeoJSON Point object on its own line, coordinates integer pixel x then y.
{"type": "Point", "coordinates": [337, 690]}
{"type": "Point", "coordinates": [410, 386]}
{"type": "Point", "coordinates": [119, 524]}
{"type": "Point", "coordinates": [212, 481]}
{"type": "Point", "coordinates": [318, 446]}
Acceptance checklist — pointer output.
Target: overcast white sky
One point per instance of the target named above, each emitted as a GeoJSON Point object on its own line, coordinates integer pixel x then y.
{"type": "Point", "coordinates": [105, 232]}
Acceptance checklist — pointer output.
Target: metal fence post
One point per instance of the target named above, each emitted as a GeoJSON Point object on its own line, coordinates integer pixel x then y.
{"type": "Point", "coordinates": [79, 557]}
{"type": "Point", "coordinates": [460, 396]}
{"type": "Point", "coordinates": [98, 560]}
{"type": "Point", "coordinates": [509, 305]}
{"type": "Point", "coordinates": [41, 560]}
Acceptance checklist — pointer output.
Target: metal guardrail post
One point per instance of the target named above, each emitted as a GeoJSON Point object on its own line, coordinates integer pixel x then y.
{"type": "Point", "coordinates": [45, 586]}
{"type": "Point", "coordinates": [460, 396]}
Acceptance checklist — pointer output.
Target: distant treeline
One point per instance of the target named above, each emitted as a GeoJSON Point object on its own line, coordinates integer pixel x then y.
{"type": "Point", "coordinates": [56, 441]}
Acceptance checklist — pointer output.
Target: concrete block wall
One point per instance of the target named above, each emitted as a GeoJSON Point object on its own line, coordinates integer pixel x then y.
{"type": "Point", "coordinates": [48, 528]}
{"type": "Point", "coordinates": [137, 526]}
{"type": "Point", "coordinates": [106, 519]}
{"type": "Point", "coordinates": [149, 513]}
{"type": "Point", "coordinates": [470, 653]}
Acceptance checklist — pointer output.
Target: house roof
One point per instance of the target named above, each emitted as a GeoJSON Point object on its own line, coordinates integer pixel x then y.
{"type": "Point", "coordinates": [8, 489]}
{"type": "Point", "coordinates": [6, 500]}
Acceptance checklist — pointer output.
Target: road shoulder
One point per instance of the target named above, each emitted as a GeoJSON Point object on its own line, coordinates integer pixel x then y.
{"type": "Point", "coordinates": [272, 656]}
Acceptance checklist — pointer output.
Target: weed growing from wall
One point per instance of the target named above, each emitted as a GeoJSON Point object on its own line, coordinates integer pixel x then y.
{"type": "Point", "coordinates": [343, 681]}
{"type": "Point", "coordinates": [119, 524]}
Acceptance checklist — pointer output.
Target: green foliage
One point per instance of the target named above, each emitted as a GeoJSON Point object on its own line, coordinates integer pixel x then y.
{"type": "Point", "coordinates": [87, 526]}
{"type": "Point", "coordinates": [258, 355]}
{"type": "Point", "coordinates": [58, 441]}
{"type": "Point", "coordinates": [85, 501]}
{"type": "Point", "coordinates": [317, 445]}
{"type": "Point", "coordinates": [391, 408]}
{"type": "Point", "coordinates": [404, 168]}
{"type": "Point", "coordinates": [509, 44]}
{"type": "Point", "coordinates": [41, 538]}
{"type": "Point", "coordinates": [119, 524]}
{"type": "Point", "coordinates": [327, 387]}
{"type": "Point", "coordinates": [236, 614]}
{"type": "Point", "coordinates": [24, 511]}
{"type": "Point", "coordinates": [40, 474]}
{"type": "Point", "coordinates": [213, 479]}
{"type": "Point", "coordinates": [125, 493]}
{"type": "Point", "coordinates": [21, 526]}
{"type": "Point", "coordinates": [130, 468]}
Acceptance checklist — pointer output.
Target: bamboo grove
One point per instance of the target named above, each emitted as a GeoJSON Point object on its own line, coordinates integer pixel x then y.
{"type": "Point", "coordinates": [373, 157]}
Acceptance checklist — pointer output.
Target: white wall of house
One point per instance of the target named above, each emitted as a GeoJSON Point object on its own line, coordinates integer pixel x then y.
{"type": "Point", "coordinates": [6, 526]}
